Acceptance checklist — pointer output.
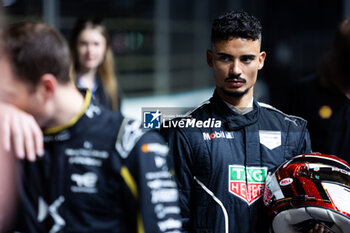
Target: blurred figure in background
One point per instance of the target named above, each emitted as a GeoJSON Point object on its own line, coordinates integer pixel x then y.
{"type": "Point", "coordinates": [324, 99]}
{"type": "Point", "coordinates": [89, 179]}
{"type": "Point", "coordinates": [7, 161]}
{"type": "Point", "coordinates": [93, 63]}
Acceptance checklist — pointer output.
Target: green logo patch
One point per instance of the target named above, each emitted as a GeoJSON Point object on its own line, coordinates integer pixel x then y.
{"type": "Point", "coordinates": [247, 183]}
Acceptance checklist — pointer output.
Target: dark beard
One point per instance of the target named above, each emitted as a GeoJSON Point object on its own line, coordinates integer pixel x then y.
{"type": "Point", "coordinates": [235, 94]}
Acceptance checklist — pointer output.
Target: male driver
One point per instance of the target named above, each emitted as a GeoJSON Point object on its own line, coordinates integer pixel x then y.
{"type": "Point", "coordinates": [99, 171]}
{"type": "Point", "coordinates": [221, 170]}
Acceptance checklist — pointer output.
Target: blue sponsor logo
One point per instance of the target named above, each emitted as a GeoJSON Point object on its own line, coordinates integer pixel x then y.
{"type": "Point", "coordinates": [152, 119]}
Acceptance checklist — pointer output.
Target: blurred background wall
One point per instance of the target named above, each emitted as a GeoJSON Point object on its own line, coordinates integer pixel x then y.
{"type": "Point", "coordinates": [160, 45]}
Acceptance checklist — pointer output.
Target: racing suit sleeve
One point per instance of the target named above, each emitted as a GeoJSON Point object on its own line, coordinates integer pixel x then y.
{"type": "Point", "coordinates": [180, 152]}
{"type": "Point", "coordinates": [154, 187]}
{"type": "Point", "coordinates": [305, 142]}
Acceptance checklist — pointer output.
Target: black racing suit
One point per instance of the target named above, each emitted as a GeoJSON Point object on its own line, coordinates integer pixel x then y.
{"type": "Point", "coordinates": [100, 173]}
{"type": "Point", "coordinates": [221, 161]}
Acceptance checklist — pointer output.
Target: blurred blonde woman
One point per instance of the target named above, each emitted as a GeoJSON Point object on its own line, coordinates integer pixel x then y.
{"type": "Point", "coordinates": [93, 63]}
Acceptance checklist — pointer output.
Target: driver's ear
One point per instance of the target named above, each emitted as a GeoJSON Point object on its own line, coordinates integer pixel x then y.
{"type": "Point", "coordinates": [210, 58]}
{"type": "Point", "coordinates": [47, 86]}
{"type": "Point", "coordinates": [262, 57]}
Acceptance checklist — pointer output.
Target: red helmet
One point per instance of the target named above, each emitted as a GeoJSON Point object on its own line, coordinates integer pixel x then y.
{"type": "Point", "coordinates": [308, 189]}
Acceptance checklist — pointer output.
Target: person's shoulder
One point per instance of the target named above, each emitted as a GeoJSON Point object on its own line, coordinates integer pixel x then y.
{"type": "Point", "coordinates": [202, 110]}
{"type": "Point", "coordinates": [102, 115]}
{"type": "Point", "coordinates": [195, 113]}
{"type": "Point", "coordinates": [131, 133]}
{"type": "Point", "coordinates": [268, 109]}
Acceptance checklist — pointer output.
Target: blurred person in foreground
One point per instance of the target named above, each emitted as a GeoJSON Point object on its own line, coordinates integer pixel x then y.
{"type": "Point", "coordinates": [225, 147]}
{"type": "Point", "coordinates": [93, 62]}
{"type": "Point", "coordinates": [99, 171]}
{"type": "Point", "coordinates": [7, 167]}
{"type": "Point", "coordinates": [323, 99]}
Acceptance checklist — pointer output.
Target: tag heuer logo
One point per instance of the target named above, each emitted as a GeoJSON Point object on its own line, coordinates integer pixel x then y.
{"type": "Point", "coordinates": [247, 183]}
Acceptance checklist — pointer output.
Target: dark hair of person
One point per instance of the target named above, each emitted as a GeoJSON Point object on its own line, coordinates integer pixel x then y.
{"type": "Point", "coordinates": [235, 24]}
{"type": "Point", "coordinates": [106, 71]}
{"type": "Point", "coordinates": [35, 49]}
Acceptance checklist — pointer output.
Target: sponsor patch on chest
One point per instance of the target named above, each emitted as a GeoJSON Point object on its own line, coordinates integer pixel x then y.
{"type": "Point", "coordinates": [270, 139]}
{"type": "Point", "coordinates": [247, 183]}
{"type": "Point", "coordinates": [84, 183]}
{"type": "Point", "coordinates": [218, 134]}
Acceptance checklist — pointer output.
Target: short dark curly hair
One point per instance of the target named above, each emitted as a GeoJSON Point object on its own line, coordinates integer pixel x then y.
{"type": "Point", "coordinates": [235, 24]}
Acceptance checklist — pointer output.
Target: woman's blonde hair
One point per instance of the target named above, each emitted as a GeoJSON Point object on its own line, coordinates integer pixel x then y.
{"type": "Point", "coordinates": [105, 71]}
